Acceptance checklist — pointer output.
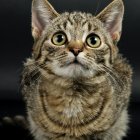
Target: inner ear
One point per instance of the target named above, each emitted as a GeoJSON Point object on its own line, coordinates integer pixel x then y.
{"type": "Point", "coordinates": [42, 14]}
{"type": "Point", "coordinates": [112, 17]}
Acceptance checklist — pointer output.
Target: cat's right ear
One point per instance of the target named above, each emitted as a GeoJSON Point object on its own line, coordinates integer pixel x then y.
{"type": "Point", "coordinates": [42, 14]}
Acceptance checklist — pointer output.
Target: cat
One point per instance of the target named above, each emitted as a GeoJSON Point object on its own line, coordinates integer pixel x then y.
{"type": "Point", "coordinates": [76, 84]}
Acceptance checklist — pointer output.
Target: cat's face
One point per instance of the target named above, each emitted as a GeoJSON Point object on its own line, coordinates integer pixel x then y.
{"type": "Point", "coordinates": [75, 44]}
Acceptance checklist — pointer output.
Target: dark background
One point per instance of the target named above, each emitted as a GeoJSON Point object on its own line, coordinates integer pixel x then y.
{"type": "Point", "coordinates": [16, 45]}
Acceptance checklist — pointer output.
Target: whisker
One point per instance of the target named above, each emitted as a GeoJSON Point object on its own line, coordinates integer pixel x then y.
{"type": "Point", "coordinates": [32, 74]}
{"type": "Point", "coordinates": [60, 57]}
{"type": "Point", "coordinates": [109, 72]}
{"type": "Point", "coordinates": [114, 74]}
{"type": "Point", "coordinates": [114, 77]}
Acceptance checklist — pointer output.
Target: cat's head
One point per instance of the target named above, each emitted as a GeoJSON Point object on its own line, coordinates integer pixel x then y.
{"type": "Point", "coordinates": [75, 44]}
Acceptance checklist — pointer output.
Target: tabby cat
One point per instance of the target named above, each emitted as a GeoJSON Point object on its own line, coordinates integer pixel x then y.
{"type": "Point", "coordinates": [76, 84]}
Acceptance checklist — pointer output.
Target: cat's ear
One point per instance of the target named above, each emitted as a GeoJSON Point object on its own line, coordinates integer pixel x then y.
{"type": "Point", "coordinates": [42, 14]}
{"type": "Point", "coordinates": [112, 17]}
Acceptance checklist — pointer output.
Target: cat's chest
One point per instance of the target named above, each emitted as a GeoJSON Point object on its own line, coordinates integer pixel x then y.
{"type": "Point", "coordinates": [72, 105]}
{"type": "Point", "coordinates": [73, 109]}
{"type": "Point", "coordinates": [68, 109]}
{"type": "Point", "coordinates": [66, 106]}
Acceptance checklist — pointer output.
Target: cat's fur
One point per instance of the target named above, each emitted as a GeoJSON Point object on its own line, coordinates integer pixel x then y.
{"type": "Point", "coordinates": [74, 102]}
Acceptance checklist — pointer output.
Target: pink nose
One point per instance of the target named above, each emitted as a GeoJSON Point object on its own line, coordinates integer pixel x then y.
{"type": "Point", "coordinates": [76, 51]}
{"type": "Point", "coordinates": [76, 47]}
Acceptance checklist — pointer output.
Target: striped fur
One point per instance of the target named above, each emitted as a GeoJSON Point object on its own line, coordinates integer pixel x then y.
{"type": "Point", "coordinates": [76, 102]}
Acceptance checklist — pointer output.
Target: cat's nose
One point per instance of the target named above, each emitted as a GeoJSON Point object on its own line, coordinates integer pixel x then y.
{"type": "Point", "coordinates": [76, 51]}
{"type": "Point", "coordinates": [76, 47]}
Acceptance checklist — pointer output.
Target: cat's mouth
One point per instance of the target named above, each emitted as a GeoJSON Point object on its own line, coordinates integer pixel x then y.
{"type": "Point", "coordinates": [77, 63]}
{"type": "Point", "coordinates": [73, 67]}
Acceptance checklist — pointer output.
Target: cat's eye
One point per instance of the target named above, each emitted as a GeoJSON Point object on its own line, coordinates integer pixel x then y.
{"type": "Point", "coordinates": [93, 41]}
{"type": "Point", "coordinates": [59, 39]}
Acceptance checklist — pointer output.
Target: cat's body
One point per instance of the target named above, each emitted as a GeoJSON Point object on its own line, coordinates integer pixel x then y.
{"type": "Point", "coordinates": [76, 89]}
{"type": "Point", "coordinates": [79, 108]}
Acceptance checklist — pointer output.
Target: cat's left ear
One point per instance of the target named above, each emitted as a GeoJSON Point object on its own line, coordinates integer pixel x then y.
{"type": "Point", "coordinates": [42, 14]}
{"type": "Point", "coordinates": [112, 17]}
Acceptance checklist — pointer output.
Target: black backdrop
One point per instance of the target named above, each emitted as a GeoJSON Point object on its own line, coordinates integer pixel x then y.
{"type": "Point", "coordinates": [16, 45]}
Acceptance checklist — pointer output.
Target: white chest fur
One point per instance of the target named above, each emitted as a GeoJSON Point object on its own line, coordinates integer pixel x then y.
{"type": "Point", "coordinates": [72, 109]}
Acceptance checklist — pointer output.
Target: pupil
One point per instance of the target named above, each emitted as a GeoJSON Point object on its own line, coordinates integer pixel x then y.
{"type": "Point", "coordinates": [93, 40]}
{"type": "Point", "coordinates": [60, 38]}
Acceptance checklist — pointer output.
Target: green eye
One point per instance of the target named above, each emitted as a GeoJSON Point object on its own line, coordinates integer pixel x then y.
{"type": "Point", "coordinates": [93, 41]}
{"type": "Point", "coordinates": [59, 39]}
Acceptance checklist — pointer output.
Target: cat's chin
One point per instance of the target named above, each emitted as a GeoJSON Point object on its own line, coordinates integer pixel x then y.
{"type": "Point", "coordinates": [74, 70]}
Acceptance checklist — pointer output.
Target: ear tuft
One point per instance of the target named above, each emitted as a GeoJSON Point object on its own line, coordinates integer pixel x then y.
{"type": "Point", "coordinates": [112, 17]}
{"type": "Point", "coordinates": [42, 14]}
